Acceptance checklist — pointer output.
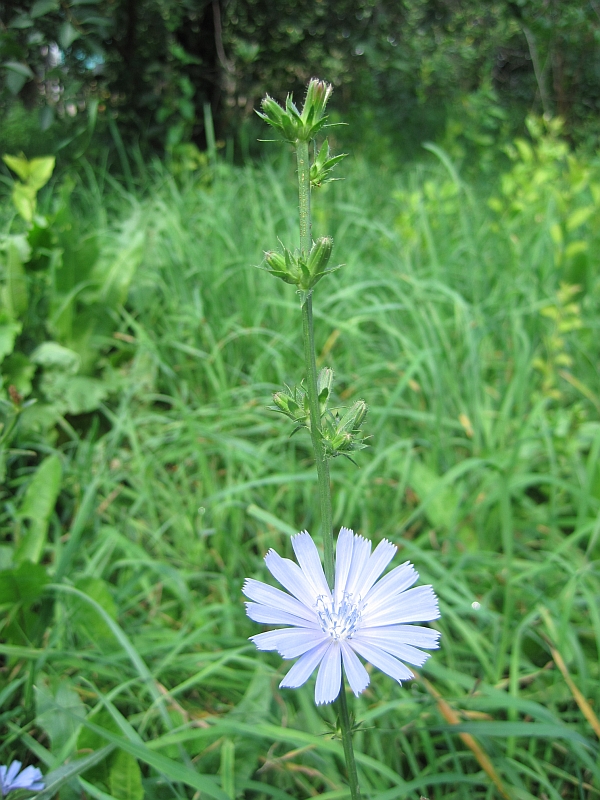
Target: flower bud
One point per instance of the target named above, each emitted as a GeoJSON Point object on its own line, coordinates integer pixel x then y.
{"type": "Point", "coordinates": [295, 269]}
{"type": "Point", "coordinates": [316, 264]}
{"type": "Point", "coordinates": [319, 255]}
{"type": "Point", "coordinates": [317, 95]}
{"type": "Point", "coordinates": [342, 435]}
{"type": "Point", "coordinates": [354, 418]}
{"type": "Point", "coordinates": [283, 266]}
{"type": "Point", "coordinates": [289, 122]}
{"type": "Point", "coordinates": [294, 404]}
{"type": "Point", "coordinates": [282, 120]}
{"type": "Point", "coordinates": [281, 400]}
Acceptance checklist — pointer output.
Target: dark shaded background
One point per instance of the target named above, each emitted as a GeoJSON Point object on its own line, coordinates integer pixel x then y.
{"type": "Point", "coordinates": [404, 71]}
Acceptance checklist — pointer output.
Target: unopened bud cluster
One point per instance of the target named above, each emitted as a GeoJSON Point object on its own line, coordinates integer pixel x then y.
{"type": "Point", "coordinates": [298, 126]}
{"type": "Point", "coordinates": [342, 432]}
{"type": "Point", "coordinates": [302, 272]}
{"type": "Point", "coordinates": [299, 268]}
{"type": "Point", "coordinates": [340, 429]}
{"type": "Point", "coordinates": [294, 402]}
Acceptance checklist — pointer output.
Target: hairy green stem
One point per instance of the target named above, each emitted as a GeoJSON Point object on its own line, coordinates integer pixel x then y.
{"type": "Point", "coordinates": [317, 442]}
{"type": "Point", "coordinates": [311, 368]}
{"type": "Point", "coordinates": [304, 197]}
{"type": "Point", "coordinates": [346, 727]}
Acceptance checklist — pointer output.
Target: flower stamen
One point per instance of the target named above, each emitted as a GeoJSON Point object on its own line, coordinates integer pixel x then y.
{"type": "Point", "coordinates": [338, 620]}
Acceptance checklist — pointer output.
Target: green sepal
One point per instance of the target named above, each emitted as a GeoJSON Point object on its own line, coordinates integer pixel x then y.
{"type": "Point", "coordinates": [324, 384]}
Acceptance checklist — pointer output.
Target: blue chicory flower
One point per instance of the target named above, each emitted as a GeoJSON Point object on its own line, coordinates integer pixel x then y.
{"type": "Point", "coordinates": [11, 778]}
{"type": "Point", "coordinates": [362, 616]}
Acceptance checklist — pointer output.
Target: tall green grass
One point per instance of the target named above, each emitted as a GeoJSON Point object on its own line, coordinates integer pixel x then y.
{"type": "Point", "coordinates": [482, 470]}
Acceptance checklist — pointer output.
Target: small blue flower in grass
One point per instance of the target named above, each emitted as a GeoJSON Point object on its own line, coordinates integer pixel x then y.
{"type": "Point", "coordinates": [10, 778]}
{"type": "Point", "coordinates": [362, 616]}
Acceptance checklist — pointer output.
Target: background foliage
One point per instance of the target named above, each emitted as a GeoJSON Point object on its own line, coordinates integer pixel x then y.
{"type": "Point", "coordinates": [405, 69]}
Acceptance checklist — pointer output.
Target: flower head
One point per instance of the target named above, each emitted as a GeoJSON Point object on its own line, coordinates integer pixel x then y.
{"type": "Point", "coordinates": [10, 778]}
{"type": "Point", "coordinates": [361, 617]}
{"type": "Point", "coordinates": [296, 126]}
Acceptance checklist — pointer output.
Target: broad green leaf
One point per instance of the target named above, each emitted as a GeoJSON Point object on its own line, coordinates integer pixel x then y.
{"type": "Point", "coordinates": [35, 173]}
{"type": "Point", "coordinates": [15, 81]}
{"type": "Point", "coordinates": [18, 371]}
{"type": "Point", "coordinates": [125, 777]}
{"type": "Point", "coordinates": [90, 740]}
{"type": "Point", "coordinates": [93, 791]}
{"type": "Point", "coordinates": [14, 293]}
{"type": "Point", "coordinates": [46, 117]}
{"type": "Point", "coordinates": [53, 355]}
{"type": "Point", "coordinates": [37, 507]}
{"type": "Point", "coordinates": [24, 199]}
{"type": "Point", "coordinates": [20, 68]}
{"type": "Point", "coordinates": [59, 710]}
{"type": "Point", "coordinates": [18, 164]}
{"type": "Point", "coordinates": [21, 591]}
{"type": "Point", "coordinates": [575, 248]}
{"type": "Point", "coordinates": [6, 556]}
{"type": "Point", "coordinates": [40, 171]}
{"type": "Point", "coordinates": [42, 7]}
{"type": "Point", "coordinates": [171, 769]}
{"type": "Point", "coordinates": [39, 419]}
{"type": "Point", "coordinates": [84, 394]}
{"type": "Point", "coordinates": [8, 333]}
{"type": "Point", "coordinates": [73, 394]}
{"type": "Point", "coordinates": [21, 242]}
{"type": "Point", "coordinates": [21, 22]}
{"type": "Point", "coordinates": [56, 779]}
{"type": "Point", "coordinates": [22, 585]}
{"type": "Point", "coordinates": [67, 34]}
{"type": "Point", "coordinates": [579, 216]}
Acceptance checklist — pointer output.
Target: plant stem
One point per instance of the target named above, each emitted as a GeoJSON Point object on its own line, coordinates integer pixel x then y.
{"type": "Point", "coordinates": [304, 197]}
{"type": "Point", "coordinates": [317, 442]}
{"type": "Point", "coordinates": [342, 705]}
{"type": "Point", "coordinates": [311, 369]}
{"type": "Point", "coordinates": [323, 480]}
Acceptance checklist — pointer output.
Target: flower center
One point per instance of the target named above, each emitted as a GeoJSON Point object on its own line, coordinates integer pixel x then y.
{"type": "Point", "coordinates": [338, 620]}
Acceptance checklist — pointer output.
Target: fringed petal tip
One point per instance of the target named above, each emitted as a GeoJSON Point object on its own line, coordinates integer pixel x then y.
{"type": "Point", "coordinates": [435, 605]}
